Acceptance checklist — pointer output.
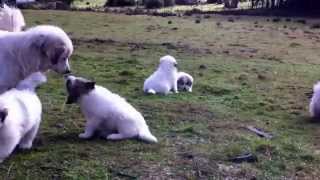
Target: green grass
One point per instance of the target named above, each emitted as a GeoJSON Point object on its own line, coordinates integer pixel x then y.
{"type": "Point", "coordinates": [253, 75]}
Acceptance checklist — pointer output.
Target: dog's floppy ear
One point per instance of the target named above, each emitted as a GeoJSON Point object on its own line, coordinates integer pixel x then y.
{"type": "Point", "coordinates": [71, 99]}
{"type": "Point", "coordinates": [3, 114]}
{"type": "Point", "coordinates": [49, 48]}
{"type": "Point", "coordinates": [57, 53]}
{"type": "Point", "coordinates": [90, 85]}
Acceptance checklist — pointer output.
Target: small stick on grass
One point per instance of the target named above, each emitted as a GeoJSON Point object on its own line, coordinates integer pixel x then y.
{"type": "Point", "coordinates": [259, 132]}
{"type": "Point", "coordinates": [9, 170]}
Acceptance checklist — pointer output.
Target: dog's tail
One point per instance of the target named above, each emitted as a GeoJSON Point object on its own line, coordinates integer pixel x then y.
{"type": "Point", "coordinates": [32, 81]}
{"type": "Point", "coordinates": [151, 91]}
{"type": "Point", "coordinates": [146, 136]}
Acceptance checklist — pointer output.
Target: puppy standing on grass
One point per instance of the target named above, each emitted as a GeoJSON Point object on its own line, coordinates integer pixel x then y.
{"type": "Point", "coordinates": [164, 79]}
{"type": "Point", "coordinates": [184, 82]}
{"type": "Point", "coordinates": [314, 106]}
{"type": "Point", "coordinates": [40, 48]}
{"type": "Point", "coordinates": [20, 115]}
{"type": "Point", "coordinates": [106, 113]}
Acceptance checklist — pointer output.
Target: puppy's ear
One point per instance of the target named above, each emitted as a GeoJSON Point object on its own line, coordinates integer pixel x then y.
{"type": "Point", "coordinates": [90, 85]}
{"type": "Point", "coordinates": [48, 48]}
{"type": "Point", "coordinates": [71, 99]}
{"type": "Point", "coordinates": [57, 53]}
{"type": "Point", "coordinates": [3, 114]}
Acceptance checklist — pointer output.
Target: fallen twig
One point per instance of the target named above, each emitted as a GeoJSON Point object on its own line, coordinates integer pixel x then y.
{"type": "Point", "coordinates": [259, 132]}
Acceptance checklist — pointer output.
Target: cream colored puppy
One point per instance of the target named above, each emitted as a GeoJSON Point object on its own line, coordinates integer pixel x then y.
{"type": "Point", "coordinates": [11, 19]}
{"type": "Point", "coordinates": [20, 115]}
{"type": "Point", "coordinates": [40, 48]}
{"type": "Point", "coordinates": [164, 79]}
{"type": "Point", "coordinates": [106, 113]}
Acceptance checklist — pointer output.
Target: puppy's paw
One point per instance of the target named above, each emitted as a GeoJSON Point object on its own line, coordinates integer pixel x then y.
{"type": "Point", "coordinates": [27, 145]}
{"type": "Point", "coordinates": [115, 137]}
{"type": "Point", "coordinates": [84, 136]}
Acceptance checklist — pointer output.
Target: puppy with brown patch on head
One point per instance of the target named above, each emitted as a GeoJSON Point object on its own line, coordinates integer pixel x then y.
{"type": "Point", "coordinates": [20, 115]}
{"type": "Point", "coordinates": [40, 48]}
{"type": "Point", "coordinates": [106, 113]}
{"type": "Point", "coordinates": [164, 79]}
{"type": "Point", "coordinates": [184, 82]}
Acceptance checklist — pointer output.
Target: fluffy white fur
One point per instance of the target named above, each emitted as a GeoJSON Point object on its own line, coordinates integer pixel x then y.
{"type": "Point", "coordinates": [23, 108]}
{"type": "Point", "coordinates": [11, 19]}
{"type": "Point", "coordinates": [40, 48]}
{"type": "Point", "coordinates": [314, 107]}
{"type": "Point", "coordinates": [185, 80]}
{"type": "Point", "coordinates": [109, 114]}
{"type": "Point", "coordinates": [164, 79]}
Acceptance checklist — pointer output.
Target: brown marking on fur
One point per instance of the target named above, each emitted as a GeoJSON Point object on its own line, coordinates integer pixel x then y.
{"type": "Point", "coordinates": [184, 81]}
{"type": "Point", "coordinates": [58, 52]}
{"type": "Point", "coordinates": [3, 114]}
{"type": "Point", "coordinates": [77, 89]}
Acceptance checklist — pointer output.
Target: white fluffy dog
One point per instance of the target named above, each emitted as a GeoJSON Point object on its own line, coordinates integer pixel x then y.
{"type": "Point", "coordinates": [184, 82]}
{"type": "Point", "coordinates": [164, 79]}
{"type": "Point", "coordinates": [314, 106]}
{"type": "Point", "coordinates": [106, 113]}
{"type": "Point", "coordinates": [40, 48]}
{"type": "Point", "coordinates": [20, 115]}
{"type": "Point", "coordinates": [11, 19]}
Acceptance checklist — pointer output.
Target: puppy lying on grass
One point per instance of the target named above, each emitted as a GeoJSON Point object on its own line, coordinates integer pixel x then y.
{"type": "Point", "coordinates": [106, 113]}
{"type": "Point", "coordinates": [184, 82]}
{"type": "Point", "coordinates": [20, 115]}
{"type": "Point", "coordinates": [164, 79]}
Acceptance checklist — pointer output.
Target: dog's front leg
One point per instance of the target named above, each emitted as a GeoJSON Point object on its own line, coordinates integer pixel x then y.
{"type": "Point", "coordinates": [91, 126]}
{"type": "Point", "coordinates": [26, 141]}
{"type": "Point", "coordinates": [7, 147]}
{"type": "Point", "coordinates": [175, 87]}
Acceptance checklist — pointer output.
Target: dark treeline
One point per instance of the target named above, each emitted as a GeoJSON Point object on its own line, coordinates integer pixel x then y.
{"type": "Point", "coordinates": [301, 5]}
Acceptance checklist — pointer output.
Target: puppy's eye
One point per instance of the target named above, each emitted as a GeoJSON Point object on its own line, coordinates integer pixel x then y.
{"type": "Point", "coordinates": [175, 65]}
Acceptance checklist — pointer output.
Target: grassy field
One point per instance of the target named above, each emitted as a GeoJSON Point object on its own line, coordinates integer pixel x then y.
{"type": "Point", "coordinates": [248, 71]}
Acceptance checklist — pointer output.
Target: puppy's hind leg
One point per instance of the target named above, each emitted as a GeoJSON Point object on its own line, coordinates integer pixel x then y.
{"type": "Point", "coordinates": [122, 136]}
{"type": "Point", "coordinates": [27, 140]}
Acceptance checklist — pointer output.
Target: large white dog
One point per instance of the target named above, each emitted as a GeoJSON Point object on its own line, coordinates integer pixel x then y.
{"type": "Point", "coordinates": [11, 19]}
{"type": "Point", "coordinates": [106, 113]}
{"type": "Point", "coordinates": [38, 49]}
{"type": "Point", "coordinates": [164, 79]}
{"type": "Point", "coordinates": [20, 115]}
{"type": "Point", "coordinates": [314, 107]}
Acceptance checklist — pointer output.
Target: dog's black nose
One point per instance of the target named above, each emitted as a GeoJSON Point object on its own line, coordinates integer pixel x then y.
{"type": "Point", "coordinates": [67, 72]}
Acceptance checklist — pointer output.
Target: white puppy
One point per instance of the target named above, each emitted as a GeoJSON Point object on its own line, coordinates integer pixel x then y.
{"type": "Point", "coordinates": [106, 113]}
{"type": "Point", "coordinates": [11, 19]}
{"type": "Point", "coordinates": [20, 115]}
{"type": "Point", "coordinates": [314, 107]}
{"type": "Point", "coordinates": [184, 82]}
{"type": "Point", "coordinates": [164, 79]}
{"type": "Point", "coordinates": [38, 49]}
